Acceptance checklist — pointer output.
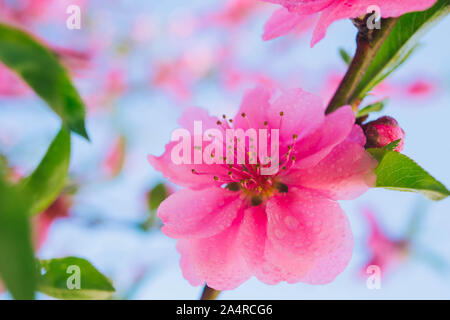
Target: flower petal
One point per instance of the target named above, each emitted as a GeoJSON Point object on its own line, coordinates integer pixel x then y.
{"type": "Point", "coordinates": [254, 105]}
{"type": "Point", "coordinates": [186, 264]}
{"type": "Point", "coordinates": [182, 174]}
{"type": "Point", "coordinates": [269, 265]}
{"type": "Point", "coordinates": [280, 23]}
{"type": "Point", "coordinates": [305, 223]}
{"type": "Point", "coordinates": [191, 214]}
{"type": "Point", "coordinates": [344, 9]}
{"type": "Point", "coordinates": [328, 267]}
{"type": "Point", "coordinates": [317, 145]}
{"type": "Point", "coordinates": [345, 173]}
{"type": "Point", "coordinates": [218, 259]}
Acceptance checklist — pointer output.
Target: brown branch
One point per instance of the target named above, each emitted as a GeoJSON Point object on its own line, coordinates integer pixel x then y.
{"type": "Point", "coordinates": [368, 43]}
{"type": "Point", "coordinates": [209, 293]}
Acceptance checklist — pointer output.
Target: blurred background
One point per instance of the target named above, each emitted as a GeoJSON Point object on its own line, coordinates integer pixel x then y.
{"type": "Point", "coordinates": [138, 63]}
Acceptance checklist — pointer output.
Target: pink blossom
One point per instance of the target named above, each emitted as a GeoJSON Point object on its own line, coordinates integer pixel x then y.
{"type": "Point", "coordinates": [385, 252]}
{"type": "Point", "coordinates": [179, 76]}
{"type": "Point", "coordinates": [281, 227]}
{"type": "Point", "coordinates": [421, 88]}
{"type": "Point", "coordinates": [234, 78]}
{"type": "Point", "coordinates": [333, 10]}
{"type": "Point", "coordinates": [115, 158]}
{"type": "Point", "coordinates": [383, 131]}
{"type": "Point", "coordinates": [233, 13]}
{"type": "Point", "coordinates": [418, 87]}
{"type": "Point", "coordinates": [42, 223]}
{"type": "Point", "coordinates": [283, 22]}
{"type": "Point", "coordinates": [28, 12]}
{"type": "Point", "coordinates": [10, 84]}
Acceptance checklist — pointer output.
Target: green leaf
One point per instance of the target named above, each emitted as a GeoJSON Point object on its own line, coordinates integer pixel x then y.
{"type": "Point", "coordinates": [58, 280]}
{"type": "Point", "coordinates": [345, 56]}
{"type": "Point", "coordinates": [392, 145]}
{"type": "Point", "coordinates": [399, 45]}
{"type": "Point", "coordinates": [157, 195]}
{"type": "Point", "coordinates": [375, 107]}
{"type": "Point", "coordinates": [154, 198]}
{"type": "Point", "coordinates": [45, 184]}
{"type": "Point", "coordinates": [398, 172]}
{"type": "Point", "coordinates": [43, 72]}
{"type": "Point", "coordinates": [17, 264]}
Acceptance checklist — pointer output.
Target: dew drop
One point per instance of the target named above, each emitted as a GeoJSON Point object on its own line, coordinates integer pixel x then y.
{"type": "Point", "coordinates": [279, 234]}
{"type": "Point", "coordinates": [291, 223]}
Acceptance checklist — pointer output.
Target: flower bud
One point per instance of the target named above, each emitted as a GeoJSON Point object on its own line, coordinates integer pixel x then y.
{"type": "Point", "coordinates": [382, 132]}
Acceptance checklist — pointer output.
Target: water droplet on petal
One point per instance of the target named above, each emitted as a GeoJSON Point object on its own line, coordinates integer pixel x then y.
{"type": "Point", "coordinates": [291, 223]}
{"type": "Point", "coordinates": [279, 234]}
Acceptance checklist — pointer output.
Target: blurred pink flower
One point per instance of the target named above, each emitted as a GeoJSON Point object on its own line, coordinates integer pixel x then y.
{"type": "Point", "coordinates": [233, 13]}
{"type": "Point", "coordinates": [115, 158]}
{"type": "Point", "coordinates": [10, 84]}
{"type": "Point", "coordinates": [383, 131]}
{"type": "Point", "coordinates": [385, 252]}
{"type": "Point", "coordinates": [111, 86]}
{"type": "Point", "coordinates": [29, 12]}
{"type": "Point", "coordinates": [333, 10]}
{"type": "Point", "coordinates": [234, 78]}
{"type": "Point", "coordinates": [283, 22]}
{"type": "Point", "coordinates": [281, 227]}
{"type": "Point", "coordinates": [42, 222]}
{"type": "Point", "coordinates": [178, 76]}
{"type": "Point", "coordinates": [419, 87]}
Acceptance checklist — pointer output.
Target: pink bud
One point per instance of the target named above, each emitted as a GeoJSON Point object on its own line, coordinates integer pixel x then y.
{"type": "Point", "coordinates": [382, 132]}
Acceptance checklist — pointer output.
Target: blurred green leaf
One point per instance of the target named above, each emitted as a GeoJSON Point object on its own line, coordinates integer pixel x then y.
{"type": "Point", "coordinates": [45, 184]}
{"type": "Point", "coordinates": [43, 72]}
{"type": "Point", "coordinates": [17, 264]}
{"type": "Point", "coordinates": [346, 57]}
{"type": "Point", "coordinates": [59, 275]}
{"type": "Point", "coordinates": [374, 107]}
{"type": "Point", "coordinates": [399, 45]}
{"type": "Point", "coordinates": [157, 195]}
{"type": "Point", "coordinates": [398, 172]}
{"type": "Point", "coordinates": [154, 198]}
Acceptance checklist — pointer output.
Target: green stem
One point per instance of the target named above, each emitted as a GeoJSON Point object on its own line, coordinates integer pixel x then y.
{"type": "Point", "coordinates": [209, 293]}
{"type": "Point", "coordinates": [368, 43]}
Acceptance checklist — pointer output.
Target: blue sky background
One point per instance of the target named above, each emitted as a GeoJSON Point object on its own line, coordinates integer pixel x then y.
{"type": "Point", "coordinates": [147, 117]}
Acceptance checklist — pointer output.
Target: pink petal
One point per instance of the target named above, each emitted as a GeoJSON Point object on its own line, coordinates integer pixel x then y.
{"type": "Point", "coordinates": [182, 174]}
{"type": "Point", "coordinates": [305, 224]}
{"type": "Point", "coordinates": [252, 236]}
{"type": "Point", "coordinates": [217, 260]}
{"type": "Point", "coordinates": [346, 173]}
{"type": "Point", "coordinates": [268, 264]}
{"type": "Point", "coordinates": [317, 145]}
{"type": "Point", "coordinates": [191, 214]}
{"type": "Point", "coordinates": [280, 23]}
{"type": "Point", "coordinates": [186, 264]}
{"type": "Point", "coordinates": [345, 9]}
{"type": "Point", "coordinates": [303, 6]}
{"type": "Point", "coordinates": [303, 113]}
{"type": "Point", "coordinates": [357, 135]}
{"type": "Point", "coordinates": [328, 267]}
{"type": "Point", "coordinates": [254, 105]}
